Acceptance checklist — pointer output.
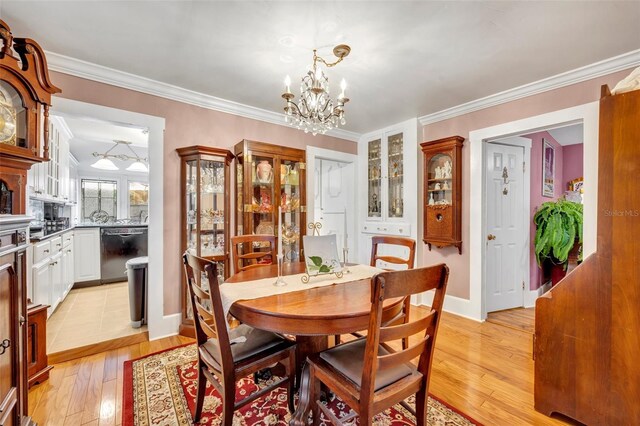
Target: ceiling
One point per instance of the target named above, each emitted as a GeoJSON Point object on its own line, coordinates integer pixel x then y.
{"type": "Point", "coordinates": [91, 135]}
{"type": "Point", "coordinates": [408, 59]}
{"type": "Point", "coordinates": [568, 135]}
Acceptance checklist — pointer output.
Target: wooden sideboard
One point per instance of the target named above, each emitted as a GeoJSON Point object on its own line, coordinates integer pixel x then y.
{"type": "Point", "coordinates": [587, 334]}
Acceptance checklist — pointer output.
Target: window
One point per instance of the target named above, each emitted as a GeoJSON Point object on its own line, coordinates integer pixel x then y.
{"type": "Point", "coordinates": [98, 196]}
{"type": "Point", "coordinates": [138, 201]}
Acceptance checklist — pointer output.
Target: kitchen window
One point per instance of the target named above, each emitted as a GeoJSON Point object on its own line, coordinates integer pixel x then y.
{"type": "Point", "coordinates": [138, 201]}
{"type": "Point", "coordinates": [99, 200]}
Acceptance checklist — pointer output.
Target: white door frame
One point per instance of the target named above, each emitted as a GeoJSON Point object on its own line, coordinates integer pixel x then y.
{"type": "Point", "coordinates": [588, 115]}
{"type": "Point", "coordinates": [314, 153]}
{"type": "Point", "coordinates": [159, 325]}
{"type": "Point", "coordinates": [526, 205]}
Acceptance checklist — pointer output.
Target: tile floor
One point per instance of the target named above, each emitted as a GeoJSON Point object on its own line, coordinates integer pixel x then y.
{"type": "Point", "coordinates": [91, 315]}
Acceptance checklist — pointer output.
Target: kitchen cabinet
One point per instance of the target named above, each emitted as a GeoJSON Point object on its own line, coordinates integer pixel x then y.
{"type": "Point", "coordinates": [388, 160]}
{"type": "Point", "coordinates": [86, 254]}
{"type": "Point", "coordinates": [37, 361]}
{"type": "Point", "coordinates": [53, 270]}
{"type": "Point", "coordinates": [68, 267]}
{"type": "Point", "coordinates": [41, 277]}
{"type": "Point", "coordinates": [267, 177]}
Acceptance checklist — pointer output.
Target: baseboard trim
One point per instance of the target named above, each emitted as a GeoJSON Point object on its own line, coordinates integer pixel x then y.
{"type": "Point", "coordinates": [452, 304]}
{"type": "Point", "coordinates": [82, 351]}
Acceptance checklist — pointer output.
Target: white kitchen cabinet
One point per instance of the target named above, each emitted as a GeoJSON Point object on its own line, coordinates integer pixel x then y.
{"type": "Point", "coordinates": [86, 254]}
{"type": "Point", "coordinates": [68, 266]}
{"type": "Point", "coordinates": [41, 276]}
{"type": "Point", "coordinates": [55, 267]}
{"type": "Point", "coordinates": [388, 184]}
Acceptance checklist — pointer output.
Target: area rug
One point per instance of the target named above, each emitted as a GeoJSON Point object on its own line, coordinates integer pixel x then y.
{"type": "Point", "coordinates": [160, 389]}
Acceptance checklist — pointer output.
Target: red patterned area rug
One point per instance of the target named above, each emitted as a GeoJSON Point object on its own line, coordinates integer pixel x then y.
{"type": "Point", "coordinates": [159, 390]}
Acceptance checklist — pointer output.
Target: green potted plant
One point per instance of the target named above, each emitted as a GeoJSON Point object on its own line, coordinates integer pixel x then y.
{"type": "Point", "coordinates": [558, 232]}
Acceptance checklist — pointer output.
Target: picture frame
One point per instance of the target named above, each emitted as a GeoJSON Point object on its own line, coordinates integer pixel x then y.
{"type": "Point", "coordinates": [548, 168]}
{"type": "Point", "coordinates": [321, 256]}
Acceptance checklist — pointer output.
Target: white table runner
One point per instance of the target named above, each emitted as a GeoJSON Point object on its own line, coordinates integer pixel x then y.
{"type": "Point", "coordinates": [232, 292]}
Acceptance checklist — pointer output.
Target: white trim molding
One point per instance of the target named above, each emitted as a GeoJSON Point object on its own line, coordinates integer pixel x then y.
{"type": "Point", "coordinates": [90, 71]}
{"type": "Point", "coordinates": [452, 304]}
{"type": "Point", "coordinates": [588, 72]}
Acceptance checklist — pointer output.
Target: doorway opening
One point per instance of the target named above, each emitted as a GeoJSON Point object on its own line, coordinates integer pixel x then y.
{"type": "Point", "coordinates": [114, 216]}
{"type": "Point", "coordinates": [587, 116]}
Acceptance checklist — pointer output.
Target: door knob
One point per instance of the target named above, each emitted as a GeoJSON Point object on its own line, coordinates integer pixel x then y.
{"type": "Point", "coordinates": [491, 237]}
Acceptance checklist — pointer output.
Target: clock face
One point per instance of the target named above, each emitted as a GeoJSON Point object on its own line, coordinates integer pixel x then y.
{"type": "Point", "coordinates": [7, 121]}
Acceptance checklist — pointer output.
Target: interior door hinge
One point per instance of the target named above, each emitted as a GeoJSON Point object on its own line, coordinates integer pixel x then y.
{"type": "Point", "coordinates": [523, 285]}
{"type": "Point", "coordinates": [524, 167]}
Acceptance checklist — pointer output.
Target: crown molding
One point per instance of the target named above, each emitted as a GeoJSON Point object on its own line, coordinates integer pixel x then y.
{"type": "Point", "coordinates": [102, 74]}
{"type": "Point", "coordinates": [62, 126]}
{"type": "Point", "coordinates": [598, 69]}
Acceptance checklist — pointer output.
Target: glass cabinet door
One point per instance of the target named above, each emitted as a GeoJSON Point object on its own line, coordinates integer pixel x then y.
{"type": "Point", "coordinates": [374, 199]}
{"type": "Point", "coordinates": [439, 180]}
{"type": "Point", "coordinates": [395, 189]}
{"type": "Point", "coordinates": [262, 195]}
{"type": "Point", "coordinates": [290, 196]}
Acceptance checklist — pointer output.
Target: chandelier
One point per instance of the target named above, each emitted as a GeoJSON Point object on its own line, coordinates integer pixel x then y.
{"type": "Point", "coordinates": [104, 162]}
{"type": "Point", "coordinates": [315, 112]}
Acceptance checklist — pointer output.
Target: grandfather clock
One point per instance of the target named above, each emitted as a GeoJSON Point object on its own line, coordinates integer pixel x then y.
{"type": "Point", "coordinates": [25, 97]}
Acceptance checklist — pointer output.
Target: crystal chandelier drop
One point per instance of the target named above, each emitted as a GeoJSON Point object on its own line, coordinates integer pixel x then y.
{"type": "Point", "coordinates": [315, 112]}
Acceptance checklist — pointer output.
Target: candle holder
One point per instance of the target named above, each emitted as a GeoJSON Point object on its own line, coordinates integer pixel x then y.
{"type": "Point", "coordinates": [280, 282]}
{"type": "Point", "coordinates": [345, 260]}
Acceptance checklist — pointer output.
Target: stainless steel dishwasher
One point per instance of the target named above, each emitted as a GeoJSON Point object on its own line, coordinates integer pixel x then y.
{"type": "Point", "coordinates": [117, 245]}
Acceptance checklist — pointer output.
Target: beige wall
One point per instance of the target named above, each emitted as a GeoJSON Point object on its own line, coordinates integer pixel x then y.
{"type": "Point", "coordinates": [566, 97]}
{"type": "Point", "coordinates": [187, 125]}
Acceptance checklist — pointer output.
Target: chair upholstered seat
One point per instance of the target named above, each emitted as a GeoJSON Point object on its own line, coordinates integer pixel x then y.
{"type": "Point", "coordinates": [256, 341]}
{"type": "Point", "coordinates": [348, 359]}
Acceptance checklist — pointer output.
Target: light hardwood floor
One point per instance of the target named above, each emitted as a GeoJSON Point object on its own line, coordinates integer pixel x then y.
{"type": "Point", "coordinates": [483, 369]}
{"type": "Point", "coordinates": [518, 318]}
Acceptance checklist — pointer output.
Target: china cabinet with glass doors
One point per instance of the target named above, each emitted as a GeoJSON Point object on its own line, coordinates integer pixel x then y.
{"type": "Point", "coordinates": [442, 192]}
{"type": "Point", "coordinates": [388, 200]}
{"type": "Point", "coordinates": [269, 177]}
{"type": "Point", "coordinates": [205, 213]}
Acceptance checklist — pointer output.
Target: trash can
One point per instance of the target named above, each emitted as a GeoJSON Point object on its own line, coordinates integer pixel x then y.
{"type": "Point", "coordinates": [137, 277]}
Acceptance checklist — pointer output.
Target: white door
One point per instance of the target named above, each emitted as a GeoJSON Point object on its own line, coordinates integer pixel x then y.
{"type": "Point", "coordinates": [335, 197]}
{"type": "Point", "coordinates": [506, 252]}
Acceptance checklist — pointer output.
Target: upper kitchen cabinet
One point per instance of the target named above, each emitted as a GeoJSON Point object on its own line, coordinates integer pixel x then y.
{"type": "Point", "coordinates": [442, 192]}
{"type": "Point", "coordinates": [388, 164]}
{"type": "Point", "coordinates": [25, 97]}
{"type": "Point", "coordinates": [269, 179]}
{"type": "Point", "coordinates": [50, 181]}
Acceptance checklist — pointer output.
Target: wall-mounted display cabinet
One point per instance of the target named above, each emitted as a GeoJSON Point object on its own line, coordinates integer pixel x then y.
{"type": "Point", "coordinates": [205, 210]}
{"type": "Point", "coordinates": [267, 177]}
{"type": "Point", "coordinates": [442, 192]}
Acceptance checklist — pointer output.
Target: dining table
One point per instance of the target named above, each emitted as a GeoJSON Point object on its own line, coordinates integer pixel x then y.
{"type": "Point", "coordinates": [311, 314]}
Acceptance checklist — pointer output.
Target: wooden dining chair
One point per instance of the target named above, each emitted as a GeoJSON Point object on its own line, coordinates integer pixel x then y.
{"type": "Point", "coordinates": [367, 374]}
{"type": "Point", "coordinates": [395, 262]}
{"type": "Point", "coordinates": [231, 354]}
{"type": "Point", "coordinates": [244, 253]}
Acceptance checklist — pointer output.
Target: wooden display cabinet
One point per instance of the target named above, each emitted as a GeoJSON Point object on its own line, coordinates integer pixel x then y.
{"type": "Point", "coordinates": [442, 192]}
{"type": "Point", "coordinates": [205, 213]}
{"type": "Point", "coordinates": [37, 360]}
{"type": "Point", "coordinates": [267, 177]}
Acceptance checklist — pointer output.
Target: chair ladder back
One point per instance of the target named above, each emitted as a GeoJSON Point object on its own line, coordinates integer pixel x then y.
{"type": "Point", "coordinates": [208, 322]}
{"type": "Point", "coordinates": [243, 251]}
{"type": "Point", "coordinates": [393, 284]}
{"type": "Point", "coordinates": [396, 241]}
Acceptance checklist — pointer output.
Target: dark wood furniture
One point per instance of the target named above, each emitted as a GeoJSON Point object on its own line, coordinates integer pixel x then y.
{"type": "Point", "coordinates": [267, 177]}
{"type": "Point", "coordinates": [231, 362]}
{"type": "Point", "coordinates": [393, 260]}
{"type": "Point", "coordinates": [367, 374]}
{"type": "Point", "coordinates": [311, 315]}
{"type": "Point", "coordinates": [443, 192]}
{"type": "Point", "coordinates": [205, 212]}
{"type": "Point", "coordinates": [587, 331]}
{"type": "Point", "coordinates": [246, 257]}
{"type": "Point", "coordinates": [37, 360]}
{"type": "Point", "coordinates": [25, 97]}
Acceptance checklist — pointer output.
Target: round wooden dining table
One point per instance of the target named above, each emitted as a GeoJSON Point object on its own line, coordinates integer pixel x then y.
{"type": "Point", "coordinates": [312, 314]}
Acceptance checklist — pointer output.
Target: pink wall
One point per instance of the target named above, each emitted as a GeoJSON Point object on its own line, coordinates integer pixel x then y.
{"type": "Point", "coordinates": [187, 125]}
{"type": "Point", "coordinates": [565, 97]}
{"type": "Point", "coordinates": [536, 192]}
{"type": "Point", "coordinates": [573, 164]}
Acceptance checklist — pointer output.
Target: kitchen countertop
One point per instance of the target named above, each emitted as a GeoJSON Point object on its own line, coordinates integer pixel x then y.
{"type": "Point", "coordinates": [88, 225]}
